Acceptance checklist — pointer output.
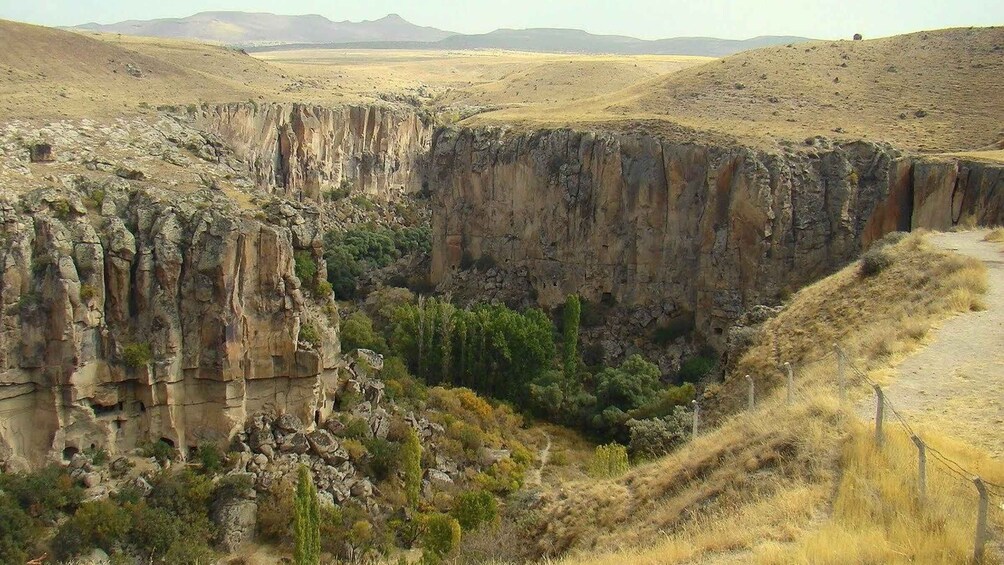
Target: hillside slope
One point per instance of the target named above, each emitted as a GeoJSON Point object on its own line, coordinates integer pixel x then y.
{"type": "Point", "coordinates": [800, 483]}
{"type": "Point", "coordinates": [931, 91]}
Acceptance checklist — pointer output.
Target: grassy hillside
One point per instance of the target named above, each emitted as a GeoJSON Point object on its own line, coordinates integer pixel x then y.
{"type": "Point", "coordinates": [931, 91]}
{"type": "Point", "coordinates": [799, 484]}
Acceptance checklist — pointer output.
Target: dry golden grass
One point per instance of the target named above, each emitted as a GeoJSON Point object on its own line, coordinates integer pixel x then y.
{"type": "Point", "coordinates": [800, 484]}
{"type": "Point", "coordinates": [996, 235]}
{"type": "Point", "coordinates": [876, 320]}
{"type": "Point", "coordinates": [935, 91]}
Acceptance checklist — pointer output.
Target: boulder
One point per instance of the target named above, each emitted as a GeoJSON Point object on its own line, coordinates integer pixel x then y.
{"type": "Point", "coordinates": [322, 442]}
{"type": "Point", "coordinates": [235, 516]}
{"type": "Point", "coordinates": [295, 443]}
{"type": "Point", "coordinates": [288, 423]}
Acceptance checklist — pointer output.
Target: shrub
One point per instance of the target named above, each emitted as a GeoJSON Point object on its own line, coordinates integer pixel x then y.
{"type": "Point", "coordinates": [17, 532]}
{"type": "Point", "coordinates": [655, 437]}
{"type": "Point", "coordinates": [680, 326]}
{"type": "Point", "coordinates": [211, 458]}
{"type": "Point", "coordinates": [87, 292]}
{"type": "Point", "coordinates": [275, 514]}
{"type": "Point", "coordinates": [159, 450]}
{"type": "Point", "coordinates": [43, 494]}
{"type": "Point", "coordinates": [474, 508]}
{"type": "Point", "coordinates": [609, 461]}
{"type": "Point", "coordinates": [874, 261]}
{"type": "Point", "coordinates": [309, 334]}
{"type": "Point", "coordinates": [696, 368]}
{"type": "Point", "coordinates": [100, 524]}
{"type": "Point", "coordinates": [323, 290]}
{"type": "Point", "coordinates": [305, 268]}
{"type": "Point", "coordinates": [355, 449]}
{"type": "Point", "coordinates": [136, 355]}
{"type": "Point", "coordinates": [357, 333]}
{"type": "Point", "coordinates": [666, 402]}
{"type": "Point", "coordinates": [384, 458]}
{"type": "Point", "coordinates": [441, 536]}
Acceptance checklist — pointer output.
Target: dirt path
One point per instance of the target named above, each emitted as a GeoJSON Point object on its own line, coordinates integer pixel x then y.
{"type": "Point", "coordinates": [544, 455]}
{"type": "Point", "coordinates": [956, 383]}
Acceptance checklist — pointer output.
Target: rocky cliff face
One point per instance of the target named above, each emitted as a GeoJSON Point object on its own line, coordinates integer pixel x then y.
{"type": "Point", "coordinates": [691, 231]}
{"type": "Point", "coordinates": [140, 317]}
{"type": "Point", "coordinates": [302, 151]}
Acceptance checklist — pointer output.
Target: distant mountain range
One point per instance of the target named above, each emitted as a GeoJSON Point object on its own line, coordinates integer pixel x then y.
{"type": "Point", "coordinates": [268, 32]}
{"type": "Point", "coordinates": [245, 29]}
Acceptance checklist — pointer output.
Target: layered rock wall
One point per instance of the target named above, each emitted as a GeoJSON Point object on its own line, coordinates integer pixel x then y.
{"type": "Point", "coordinates": [303, 151]}
{"type": "Point", "coordinates": [149, 320]}
{"type": "Point", "coordinates": [697, 231]}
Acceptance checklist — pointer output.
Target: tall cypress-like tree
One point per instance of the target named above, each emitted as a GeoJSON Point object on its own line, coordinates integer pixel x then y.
{"type": "Point", "coordinates": [411, 464]}
{"type": "Point", "coordinates": [306, 521]}
{"type": "Point", "coordinates": [570, 330]}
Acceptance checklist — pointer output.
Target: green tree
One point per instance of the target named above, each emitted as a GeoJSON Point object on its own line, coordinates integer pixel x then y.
{"type": "Point", "coordinates": [307, 521]}
{"type": "Point", "coordinates": [357, 333]}
{"type": "Point", "coordinates": [570, 333]}
{"type": "Point", "coordinates": [442, 535]}
{"type": "Point", "coordinates": [17, 531]}
{"type": "Point", "coordinates": [633, 384]}
{"type": "Point", "coordinates": [474, 508]}
{"type": "Point", "coordinates": [411, 464]}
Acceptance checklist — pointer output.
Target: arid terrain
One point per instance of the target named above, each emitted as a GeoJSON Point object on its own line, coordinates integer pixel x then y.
{"type": "Point", "coordinates": [493, 306]}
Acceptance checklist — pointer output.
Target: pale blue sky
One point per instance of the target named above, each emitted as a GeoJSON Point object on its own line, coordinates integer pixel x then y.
{"type": "Point", "coordinates": [648, 19]}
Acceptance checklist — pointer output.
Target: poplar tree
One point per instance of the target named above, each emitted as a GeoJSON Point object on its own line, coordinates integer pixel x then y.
{"type": "Point", "coordinates": [306, 521]}
{"type": "Point", "coordinates": [411, 464]}
{"type": "Point", "coordinates": [570, 330]}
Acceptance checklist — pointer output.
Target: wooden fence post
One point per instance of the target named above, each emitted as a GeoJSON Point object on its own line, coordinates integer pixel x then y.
{"type": "Point", "coordinates": [879, 413]}
{"type": "Point", "coordinates": [749, 379]}
{"type": "Point", "coordinates": [981, 521]}
{"type": "Point", "coordinates": [791, 383]}
{"type": "Point", "coordinates": [697, 416]}
{"type": "Point", "coordinates": [840, 373]}
{"type": "Point", "coordinates": [921, 469]}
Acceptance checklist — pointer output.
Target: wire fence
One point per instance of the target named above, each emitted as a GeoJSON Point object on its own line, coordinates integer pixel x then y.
{"type": "Point", "coordinates": [989, 494]}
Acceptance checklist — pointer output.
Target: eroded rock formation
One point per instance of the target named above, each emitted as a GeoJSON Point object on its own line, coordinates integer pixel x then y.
{"type": "Point", "coordinates": [302, 151]}
{"type": "Point", "coordinates": [700, 231]}
{"type": "Point", "coordinates": [143, 318]}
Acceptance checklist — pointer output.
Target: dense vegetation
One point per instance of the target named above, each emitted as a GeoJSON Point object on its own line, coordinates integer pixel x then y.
{"type": "Point", "coordinates": [351, 253]}
{"type": "Point", "coordinates": [511, 356]}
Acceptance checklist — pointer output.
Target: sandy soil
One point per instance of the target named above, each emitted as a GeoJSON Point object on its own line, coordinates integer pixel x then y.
{"type": "Point", "coordinates": [956, 383]}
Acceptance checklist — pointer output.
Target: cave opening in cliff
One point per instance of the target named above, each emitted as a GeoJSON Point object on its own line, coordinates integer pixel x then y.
{"type": "Point", "coordinates": [317, 417]}
{"type": "Point", "coordinates": [168, 442]}
{"type": "Point", "coordinates": [68, 452]}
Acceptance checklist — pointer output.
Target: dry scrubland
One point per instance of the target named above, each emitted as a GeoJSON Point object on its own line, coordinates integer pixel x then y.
{"type": "Point", "coordinates": [931, 91]}
{"type": "Point", "coordinates": [801, 484]}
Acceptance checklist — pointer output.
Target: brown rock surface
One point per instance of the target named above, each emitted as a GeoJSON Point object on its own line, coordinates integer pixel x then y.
{"type": "Point", "coordinates": [302, 151]}
{"type": "Point", "coordinates": [707, 229]}
{"type": "Point", "coordinates": [157, 319]}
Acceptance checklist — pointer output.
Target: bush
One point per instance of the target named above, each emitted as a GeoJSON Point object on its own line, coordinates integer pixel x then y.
{"type": "Point", "coordinates": [680, 326]}
{"type": "Point", "coordinates": [309, 334]}
{"type": "Point", "coordinates": [666, 402]}
{"type": "Point", "coordinates": [441, 536]}
{"type": "Point", "coordinates": [655, 437]}
{"type": "Point", "coordinates": [357, 333]}
{"type": "Point", "coordinates": [384, 458]}
{"type": "Point", "coordinates": [154, 530]}
{"type": "Point", "coordinates": [136, 355]}
{"type": "Point", "coordinates": [874, 261]}
{"type": "Point", "coordinates": [474, 508]}
{"type": "Point", "coordinates": [87, 292]}
{"type": "Point", "coordinates": [696, 368]}
{"type": "Point", "coordinates": [159, 450]}
{"type": "Point", "coordinates": [609, 461]}
{"type": "Point", "coordinates": [17, 532]}
{"type": "Point", "coordinates": [43, 494]}
{"type": "Point", "coordinates": [211, 458]}
{"type": "Point", "coordinates": [275, 514]}
{"type": "Point", "coordinates": [100, 524]}
{"type": "Point", "coordinates": [305, 268]}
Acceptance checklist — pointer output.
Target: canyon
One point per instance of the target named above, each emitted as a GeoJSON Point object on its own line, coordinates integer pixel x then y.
{"type": "Point", "coordinates": [674, 230]}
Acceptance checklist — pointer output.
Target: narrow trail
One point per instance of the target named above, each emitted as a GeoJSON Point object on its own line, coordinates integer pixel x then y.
{"type": "Point", "coordinates": [544, 455]}
{"type": "Point", "coordinates": [956, 383]}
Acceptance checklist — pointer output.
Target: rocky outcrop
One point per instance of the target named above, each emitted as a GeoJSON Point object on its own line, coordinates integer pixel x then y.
{"type": "Point", "coordinates": [697, 231]}
{"type": "Point", "coordinates": [145, 318]}
{"type": "Point", "coordinates": [303, 151]}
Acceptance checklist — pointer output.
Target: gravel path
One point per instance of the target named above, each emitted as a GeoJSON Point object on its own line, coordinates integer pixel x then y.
{"type": "Point", "coordinates": [956, 383]}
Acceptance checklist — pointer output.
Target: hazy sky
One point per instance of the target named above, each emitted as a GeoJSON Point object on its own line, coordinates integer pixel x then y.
{"type": "Point", "coordinates": [648, 19]}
